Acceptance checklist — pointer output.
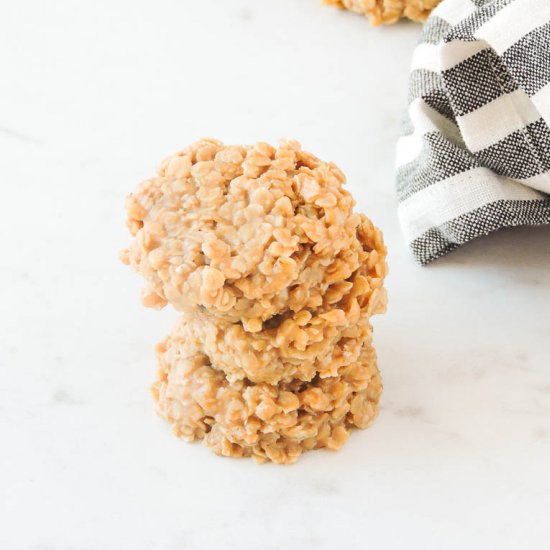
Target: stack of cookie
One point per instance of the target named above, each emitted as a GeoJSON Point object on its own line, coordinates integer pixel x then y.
{"type": "Point", "coordinates": [276, 278]}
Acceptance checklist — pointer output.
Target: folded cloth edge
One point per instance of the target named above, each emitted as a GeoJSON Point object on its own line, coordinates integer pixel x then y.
{"type": "Point", "coordinates": [448, 194]}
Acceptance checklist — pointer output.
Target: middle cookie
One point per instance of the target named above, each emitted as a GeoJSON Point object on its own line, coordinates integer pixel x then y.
{"type": "Point", "coordinates": [300, 348]}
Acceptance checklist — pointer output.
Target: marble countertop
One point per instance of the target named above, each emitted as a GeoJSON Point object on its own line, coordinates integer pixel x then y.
{"type": "Point", "coordinates": [93, 95]}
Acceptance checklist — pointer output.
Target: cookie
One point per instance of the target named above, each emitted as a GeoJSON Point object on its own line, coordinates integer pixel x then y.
{"type": "Point", "coordinates": [263, 421]}
{"type": "Point", "coordinates": [248, 232]}
{"type": "Point", "coordinates": [388, 11]}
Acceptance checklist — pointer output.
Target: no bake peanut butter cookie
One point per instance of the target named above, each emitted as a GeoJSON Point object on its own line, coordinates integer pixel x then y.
{"type": "Point", "coordinates": [264, 421]}
{"type": "Point", "coordinates": [388, 11]}
{"type": "Point", "coordinates": [248, 232]}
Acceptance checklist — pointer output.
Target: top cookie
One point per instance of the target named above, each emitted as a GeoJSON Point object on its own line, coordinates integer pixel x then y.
{"type": "Point", "coordinates": [248, 232]}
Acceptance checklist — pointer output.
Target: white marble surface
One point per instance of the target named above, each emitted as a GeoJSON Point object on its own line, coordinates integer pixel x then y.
{"type": "Point", "coordinates": [92, 95]}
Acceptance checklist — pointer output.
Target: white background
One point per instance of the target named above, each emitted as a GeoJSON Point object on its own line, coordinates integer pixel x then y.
{"type": "Point", "coordinates": [92, 95]}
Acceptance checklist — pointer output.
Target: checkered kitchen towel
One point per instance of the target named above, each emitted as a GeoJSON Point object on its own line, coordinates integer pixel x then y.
{"type": "Point", "coordinates": [474, 155]}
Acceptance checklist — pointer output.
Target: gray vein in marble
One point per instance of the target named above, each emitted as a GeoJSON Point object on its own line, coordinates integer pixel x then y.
{"type": "Point", "coordinates": [62, 397]}
{"type": "Point", "coordinates": [14, 134]}
{"type": "Point", "coordinates": [246, 14]}
{"type": "Point", "coordinates": [323, 486]}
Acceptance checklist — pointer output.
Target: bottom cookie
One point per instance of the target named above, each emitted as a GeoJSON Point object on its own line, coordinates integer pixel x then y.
{"type": "Point", "coordinates": [263, 421]}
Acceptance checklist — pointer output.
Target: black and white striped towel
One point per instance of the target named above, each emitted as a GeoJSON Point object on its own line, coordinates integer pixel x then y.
{"type": "Point", "coordinates": [474, 155]}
